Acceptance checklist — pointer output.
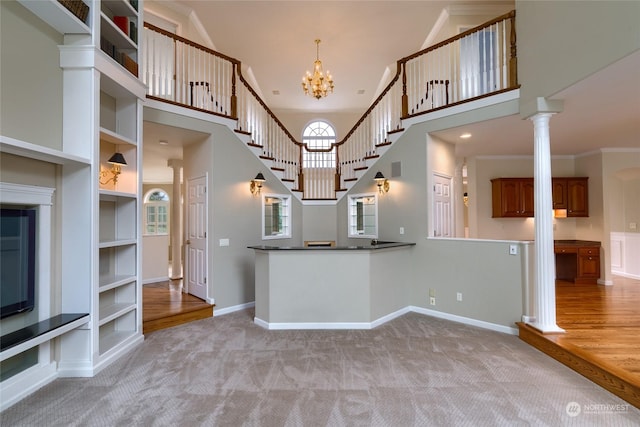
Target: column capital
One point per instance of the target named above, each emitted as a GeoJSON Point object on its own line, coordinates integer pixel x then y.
{"type": "Point", "coordinates": [541, 105]}
{"type": "Point", "coordinates": [174, 163]}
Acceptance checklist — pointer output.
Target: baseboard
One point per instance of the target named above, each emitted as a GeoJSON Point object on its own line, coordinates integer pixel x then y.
{"type": "Point", "coordinates": [26, 382]}
{"type": "Point", "coordinates": [311, 325]}
{"type": "Point", "coordinates": [627, 275]}
{"type": "Point", "coordinates": [155, 280]}
{"type": "Point", "coordinates": [383, 320]}
{"type": "Point", "coordinates": [466, 320]}
{"type": "Point", "coordinates": [227, 310]}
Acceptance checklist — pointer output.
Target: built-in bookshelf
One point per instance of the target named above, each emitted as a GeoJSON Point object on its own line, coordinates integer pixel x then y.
{"type": "Point", "coordinates": [97, 218]}
{"type": "Point", "coordinates": [119, 23]}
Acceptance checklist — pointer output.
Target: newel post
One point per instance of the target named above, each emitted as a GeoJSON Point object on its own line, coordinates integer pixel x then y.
{"type": "Point", "coordinates": [234, 100]}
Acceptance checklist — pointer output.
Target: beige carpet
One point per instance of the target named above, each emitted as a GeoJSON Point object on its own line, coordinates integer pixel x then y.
{"type": "Point", "coordinates": [413, 371]}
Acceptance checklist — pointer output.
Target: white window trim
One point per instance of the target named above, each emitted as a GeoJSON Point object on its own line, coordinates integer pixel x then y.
{"type": "Point", "coordinates": [351, 226]}
{"type": "Point", "coordinates": [287, 209]}
{"type": "Point", "coordinates": [146, 203]}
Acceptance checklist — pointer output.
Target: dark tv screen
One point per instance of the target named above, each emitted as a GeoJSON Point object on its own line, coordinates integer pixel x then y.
{"type": "Point", "coordinates": [17, 260]}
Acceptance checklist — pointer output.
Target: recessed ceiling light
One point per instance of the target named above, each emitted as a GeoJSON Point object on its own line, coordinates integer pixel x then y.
{"type": "Point", "coordinates": [465, 135]}
{"type": "Point", "coordinates": [163, 142]}
{"type": "Point", "coordinates": [275, 92]}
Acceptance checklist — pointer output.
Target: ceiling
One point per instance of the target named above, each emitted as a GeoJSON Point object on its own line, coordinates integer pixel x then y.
{"type": "Point", "coordinates": [361, 42]}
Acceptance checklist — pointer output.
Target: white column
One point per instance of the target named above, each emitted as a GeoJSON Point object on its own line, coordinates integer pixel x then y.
{"type": "Point", "coordinates": [176, 219]}
{"type": "Point", "coordinates": [545, 274]}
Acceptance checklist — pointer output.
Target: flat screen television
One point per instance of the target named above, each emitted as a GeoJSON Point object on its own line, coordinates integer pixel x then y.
{"type": "Point", "coordinates": [17, 260]}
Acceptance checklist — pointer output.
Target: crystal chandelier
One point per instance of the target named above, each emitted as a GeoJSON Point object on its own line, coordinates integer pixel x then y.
{"type": "Point", "coordinates": [319, 84]}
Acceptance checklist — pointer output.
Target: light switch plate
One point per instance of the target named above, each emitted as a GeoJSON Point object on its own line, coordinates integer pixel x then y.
{"type": "Point", "coordinates": [224, 242]}
{"type": "Point", "coordinates": [513, 249]}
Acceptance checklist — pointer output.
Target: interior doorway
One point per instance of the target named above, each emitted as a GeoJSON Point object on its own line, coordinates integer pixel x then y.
{"type": "Point", "coordinates": [442, 206]}
{"type": "Point", "coordinates": [196, 259]}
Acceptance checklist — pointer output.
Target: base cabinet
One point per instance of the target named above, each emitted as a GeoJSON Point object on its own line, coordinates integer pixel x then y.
{"type": "Point", "coordinates": [577, 261]}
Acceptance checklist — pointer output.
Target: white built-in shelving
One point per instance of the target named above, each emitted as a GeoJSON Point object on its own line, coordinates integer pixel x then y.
{"type": "Point", "coordinates": [100, 258]}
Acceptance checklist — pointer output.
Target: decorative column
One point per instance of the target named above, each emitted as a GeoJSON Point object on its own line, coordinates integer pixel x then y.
{"type": "Point", "coordinates": [176, 220]}
{"type": "Point", "coordinates": [545, 270]}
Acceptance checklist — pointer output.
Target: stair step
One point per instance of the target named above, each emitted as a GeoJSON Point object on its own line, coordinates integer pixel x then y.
{"type": "Point", "coordinates": [177, 319]}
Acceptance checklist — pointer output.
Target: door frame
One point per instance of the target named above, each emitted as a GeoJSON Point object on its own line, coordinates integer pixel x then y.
{"type": "Point", "coordinates": [431, 204]}
{"type": "Point", "coordinates": [186, 265]}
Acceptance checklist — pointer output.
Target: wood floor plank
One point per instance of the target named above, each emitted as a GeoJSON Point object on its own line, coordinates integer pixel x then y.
{"type": "Point", "coordinates": [602, 338]}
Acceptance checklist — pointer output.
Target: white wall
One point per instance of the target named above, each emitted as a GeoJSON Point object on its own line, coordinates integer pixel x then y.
{"type": "Point", "coordinates": [155, 259]}
{"type": "Point", "coordinates": [552, 57]}
{"type": "Point", "coordinates": [31, 85]}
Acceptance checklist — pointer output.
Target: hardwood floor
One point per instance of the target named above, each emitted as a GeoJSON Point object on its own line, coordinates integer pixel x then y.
{"type": "Point", "coordinates": [602, 339]}
{"type": "Point", "coordinates": [165, 305]}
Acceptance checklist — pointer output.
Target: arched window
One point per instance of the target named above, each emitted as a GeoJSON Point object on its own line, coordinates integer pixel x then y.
{"type": "Point", "coordinates": [156, 212]}
{"type": "Point", "coordinates": [319, 135]}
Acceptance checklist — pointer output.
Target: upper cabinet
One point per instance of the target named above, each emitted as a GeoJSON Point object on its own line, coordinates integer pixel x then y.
{"type": "Point", "coordinates": [514, 197]}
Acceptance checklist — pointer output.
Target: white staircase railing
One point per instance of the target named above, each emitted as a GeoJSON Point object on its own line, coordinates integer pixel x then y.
{"type": "Point", "coordinates": [476, 63]}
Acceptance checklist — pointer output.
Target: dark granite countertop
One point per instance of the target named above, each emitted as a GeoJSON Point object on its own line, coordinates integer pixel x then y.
{"type": "Point", "coordinates": [369, 246]}
{"type": "Point", "coordinates": [575, 243]}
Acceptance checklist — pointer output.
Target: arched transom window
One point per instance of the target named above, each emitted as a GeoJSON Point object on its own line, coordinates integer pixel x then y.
{"type": "Point", "coordinates": [319, 135]}
{"type": "Point", "coordinates": [156, 212]}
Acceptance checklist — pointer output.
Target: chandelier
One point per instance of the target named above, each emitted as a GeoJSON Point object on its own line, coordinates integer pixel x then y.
{"type": "Point", "coordinates": [319, 84]}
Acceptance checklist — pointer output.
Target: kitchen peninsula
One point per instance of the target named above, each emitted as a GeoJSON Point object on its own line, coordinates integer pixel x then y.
{"type": "Point", "coordinates": [321, 287]}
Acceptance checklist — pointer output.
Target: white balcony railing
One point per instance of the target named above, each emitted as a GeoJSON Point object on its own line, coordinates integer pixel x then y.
{"type": "Point", "coordinates": [476, 63]}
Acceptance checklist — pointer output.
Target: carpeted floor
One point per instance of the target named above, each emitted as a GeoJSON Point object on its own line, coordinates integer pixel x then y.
{"type": "Point", "coordinates": [413, 371]}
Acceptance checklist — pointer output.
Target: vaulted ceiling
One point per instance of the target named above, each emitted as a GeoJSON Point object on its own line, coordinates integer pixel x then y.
{"type": "Point", "coordinates": [361, 42]}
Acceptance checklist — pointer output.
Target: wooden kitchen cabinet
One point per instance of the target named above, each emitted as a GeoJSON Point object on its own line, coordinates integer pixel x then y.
{"type": "Point", "coordinates": [512, 197]}
{"type": "Point", "coordinates": [577, 261]}
{"type": "Point", "coordinates": [571, 194]}
{"type": "Point", "coordinates": [577, 197]}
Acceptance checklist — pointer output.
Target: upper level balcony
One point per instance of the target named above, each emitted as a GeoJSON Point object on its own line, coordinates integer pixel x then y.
{"type": "Point", "coordinates": [477, 63]}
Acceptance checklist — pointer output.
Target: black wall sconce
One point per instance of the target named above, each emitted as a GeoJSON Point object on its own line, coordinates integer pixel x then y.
{"type": "Point", "coordinates": [256, 184]}
{"type": "Point", "coordinates": [382, 182]}
{"type": "Point", "coordinates": [116, 161]}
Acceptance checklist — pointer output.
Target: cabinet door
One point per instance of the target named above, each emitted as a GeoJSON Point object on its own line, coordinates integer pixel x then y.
{"type": "Point", "coordinates": [577, 197]}
{"type": "Point", "coordinates": [526, 198]}
{"type": "Point", "coordinates": [589, 263]}
{"type": "Point", "coordinates": [510, 204]}
{"type": "Point", "coordinates": [559, 193]}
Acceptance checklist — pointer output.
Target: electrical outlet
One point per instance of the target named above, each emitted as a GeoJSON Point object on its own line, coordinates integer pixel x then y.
{"type": "Point", "coordinates": [632, 226]}
{"type": "Point", "coordinates": [401, 230]}
{"type": "Point", "coordinates": [513, 249]}
{"type": "Point", "coordinates": [432, 301]}
{"type": "Point", "coordinates": [459, 296]}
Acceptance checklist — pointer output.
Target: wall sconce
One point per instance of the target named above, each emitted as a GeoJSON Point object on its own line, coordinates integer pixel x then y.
{"type": "Point", "coordinates": [117, 161]}
{"type": "Point", "coordinates": [465, 199]}
{"type": "Point", "coordinates": [256, 184]}
{"type": "Point", "coordinates": [382, 182]}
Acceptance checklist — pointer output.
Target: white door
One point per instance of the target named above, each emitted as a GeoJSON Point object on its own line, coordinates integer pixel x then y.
{"type": "Point", "coordinates": [442, 209]}
{"type": "Point", "coordinates": [196, 244]}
